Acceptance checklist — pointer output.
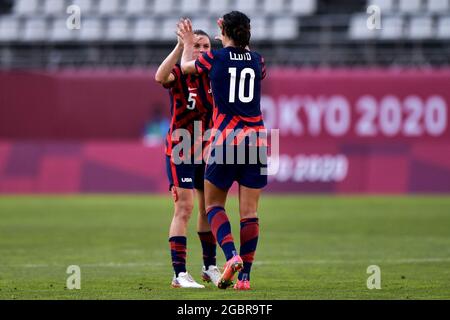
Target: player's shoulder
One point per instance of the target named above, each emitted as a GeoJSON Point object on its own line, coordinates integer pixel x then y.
{"type": "Point", "coordinates": [257, 55]}
{"type": "Point", "coordinates": [213, 54]}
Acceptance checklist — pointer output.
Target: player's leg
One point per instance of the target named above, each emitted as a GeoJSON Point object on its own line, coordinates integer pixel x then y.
{"type": "Point", "coordinates": [249, 233]}
{"type": "Point", "coordinates": [183, 206]}
{"type": "Point", "coordinates": [210, 272]}
{"type": "Point", "coordinates": [215, 199]}
{"type": "Point", "coordinates": [183, 199]}
{"type": "Point", "coordinates": [251, 179]}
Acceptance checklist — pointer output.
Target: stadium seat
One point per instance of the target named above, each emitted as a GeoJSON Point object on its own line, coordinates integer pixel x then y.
{"type": "Point", "coordinates": [274, 6]}
{"type": "Point", "coordinates": [168, 29]}
{"type": "Point", "coordinates": [118, 29]}
{"type": "Point", "coordinates": [26, 7]}
{"type": "Point", "coordinates": [163, 7]}
{"type": "Point", "coordinates": [60, 32]}
{"type": "Point", "coordinates": [386, 6]}
{"type": "Point", "coordinates": [260, 29]}
{"type": "Point", "coordinates": [438, 6]}
{"type": "Point", "coordinates": [109, 7]}
{"type": "Point", "coordinates": [410, 6]}
{"type": "Point", "coordinates": [443, 28]}
{"type": "Point", "coordinates": [420, 28]}
{"type": "Point", "coordinates": [35, 29]}
{"type": "Point", "coordinates": [303, 7]}
{"type": "Point", "coordinates": [214, 26]}
{"type": "Point", "coordinates": [285, 28]}
{"type": "Point", "coordinates": [55, 7]}
{"type": "Point", "coordinates": [86, 6]}
{"type": "Point", "coordinates": [136, 7]}
{"type": "Point", "coordinates": [91, 29]}
{"type": "Point", "coordinates": [391, 28]}
{"type": "Point", "coordinates": [218, 8]}
{"type": "Point", "coordinates": [247, 6]}
{"type": "Point", "coordinates": [144, 29]}
{"type": "Point", "coordinates": [203, 23]}
{"type": "Point", "coordinates": [358, 29]}
{"type": "Point", "coordinates": [189, 7]}
{"type": "Point", "coordinates": [9, 29]}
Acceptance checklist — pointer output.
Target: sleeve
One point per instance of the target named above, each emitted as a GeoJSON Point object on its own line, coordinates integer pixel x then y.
{"type": "Point", "coordinates": [176, 71]}
{"type": "Point", "coordinates": [204, 63]}
{"type": "Point", "coordinates": [263, 68]}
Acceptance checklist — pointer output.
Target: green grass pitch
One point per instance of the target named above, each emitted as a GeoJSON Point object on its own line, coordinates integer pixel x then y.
{"type": "Point", "coordinates": [311, 247]}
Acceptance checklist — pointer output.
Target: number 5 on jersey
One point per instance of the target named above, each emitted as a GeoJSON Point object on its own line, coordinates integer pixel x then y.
{"type": "Point", "coordinates": [242, 79]}
{"type": "Point", "coordinates": [191, 101]}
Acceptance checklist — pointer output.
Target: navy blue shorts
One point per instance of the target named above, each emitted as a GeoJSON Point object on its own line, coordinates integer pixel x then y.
{"type": "Point", "coordinates": [187, 176]}
{"type": "Point", "coordinates": [249, 175]}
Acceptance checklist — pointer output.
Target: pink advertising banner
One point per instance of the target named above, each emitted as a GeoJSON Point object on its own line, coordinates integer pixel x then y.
{"type": "Point", "coordinates": [341, 131]}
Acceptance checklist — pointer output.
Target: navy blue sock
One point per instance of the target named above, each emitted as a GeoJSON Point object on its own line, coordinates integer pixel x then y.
{"type": "Point", "coordinates": [249, 241]}
{"type": "Point", "coordinates": [221, 228]}
{"type": "Point", "coordinates": [209, 245]}
{"type": "Point", "coordinates": [178, 253]}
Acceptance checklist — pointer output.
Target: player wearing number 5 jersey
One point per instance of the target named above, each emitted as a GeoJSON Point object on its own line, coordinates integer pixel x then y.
{"type": "Point", "coordinates": [191, 101]}
{"type": "Point", "coordinates": [235, 73]}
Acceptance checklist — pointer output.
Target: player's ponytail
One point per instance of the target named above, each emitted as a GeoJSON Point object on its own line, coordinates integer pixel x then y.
{"type": "Point", "coordinates": [236, 26]}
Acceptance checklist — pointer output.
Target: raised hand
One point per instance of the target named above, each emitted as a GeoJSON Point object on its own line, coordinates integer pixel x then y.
{"type": "Point", "coordinates": [220, 35]}
{"type": "Point", "coordinates": [184, 31]}
{"type": "Point", "coordinates": [180, 40]}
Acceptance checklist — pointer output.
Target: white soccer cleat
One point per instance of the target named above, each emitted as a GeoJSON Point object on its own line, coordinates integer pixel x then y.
{"type": "Point", "coordinates": [184, 280]}
{"type": "Point", "coordinates": [211, 275]}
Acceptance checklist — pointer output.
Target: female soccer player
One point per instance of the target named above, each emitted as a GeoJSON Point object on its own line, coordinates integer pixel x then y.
{"type": "Point", "coordinates": [235, 73]}
{"type": "Point", "coordinates": [191, 101]}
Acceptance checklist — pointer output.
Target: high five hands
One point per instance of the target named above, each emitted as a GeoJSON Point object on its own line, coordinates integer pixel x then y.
{"type": "Point", "coordinates": [184, 32]}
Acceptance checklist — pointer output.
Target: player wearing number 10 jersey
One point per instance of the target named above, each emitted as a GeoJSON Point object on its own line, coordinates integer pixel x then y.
{"type": "Point", "coordinates": [235, 73]}
{"type": "Point", "coordinates": [237, 107]}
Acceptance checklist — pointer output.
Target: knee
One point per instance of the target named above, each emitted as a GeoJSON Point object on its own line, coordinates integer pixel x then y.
{"type": "Point", "coordinates": [183, 211]}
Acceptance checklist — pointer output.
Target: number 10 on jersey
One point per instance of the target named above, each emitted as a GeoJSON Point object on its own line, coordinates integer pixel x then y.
{"type": "Point", "coordinates": [242, 82]}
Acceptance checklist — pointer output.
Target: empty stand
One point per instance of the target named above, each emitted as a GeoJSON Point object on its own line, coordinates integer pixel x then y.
{"type": "Point", "coordinates": [359, 30]}
{"type": "Point", "coordinates": [438, 6]}
{"type": "Point", "coordinates": [9, 29]}
{"type": "Point", "coordinates": [313, 31]}
{"type": "Point", "coordinates": [410, 6]}
{"type": "Point", "coordinates": [27, 7]}
{"type": "Point", "coordinates": [54, 7]}
{"type": "Point", "coordinates": [136, 7]}
{"type": "Point", "coordinates": [118, 29]}
{"type": "Point", "coordinates": [420, 28]}
{"type": "Point", "coordinates": [59, 31]}
{"type": "Point", "coordinates": [35, 29]}
{"type": "Point", "coordinates": [144, 29]}
{"type": "Point", "coordinates": [386, 6]}
{"type": "Point", "coordinates": [91, 30]}
{"type": "Point", "coordinates": [284, 28]}
{"type": "Point", "coordinates": [109, 7]}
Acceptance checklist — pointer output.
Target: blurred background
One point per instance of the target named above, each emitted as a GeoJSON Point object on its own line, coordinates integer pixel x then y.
{"type": "Point", "coordinates": [359, 110]}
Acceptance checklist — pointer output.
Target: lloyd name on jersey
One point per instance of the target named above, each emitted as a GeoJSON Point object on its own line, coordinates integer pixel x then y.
{"type": "Point", "coordinates": [240, 56]}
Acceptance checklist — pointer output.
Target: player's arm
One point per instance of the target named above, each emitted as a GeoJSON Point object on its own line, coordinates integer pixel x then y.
{"type": "Point", "coordinates": [263, 68]}
{"type": "Point", "coordinates": [186, 34]}
{"type": "Point", "coordinates": [164, 74]}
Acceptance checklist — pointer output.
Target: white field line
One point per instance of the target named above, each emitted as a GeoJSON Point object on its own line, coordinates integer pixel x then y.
{"type": "Point", "coordinates": [261, 263]}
